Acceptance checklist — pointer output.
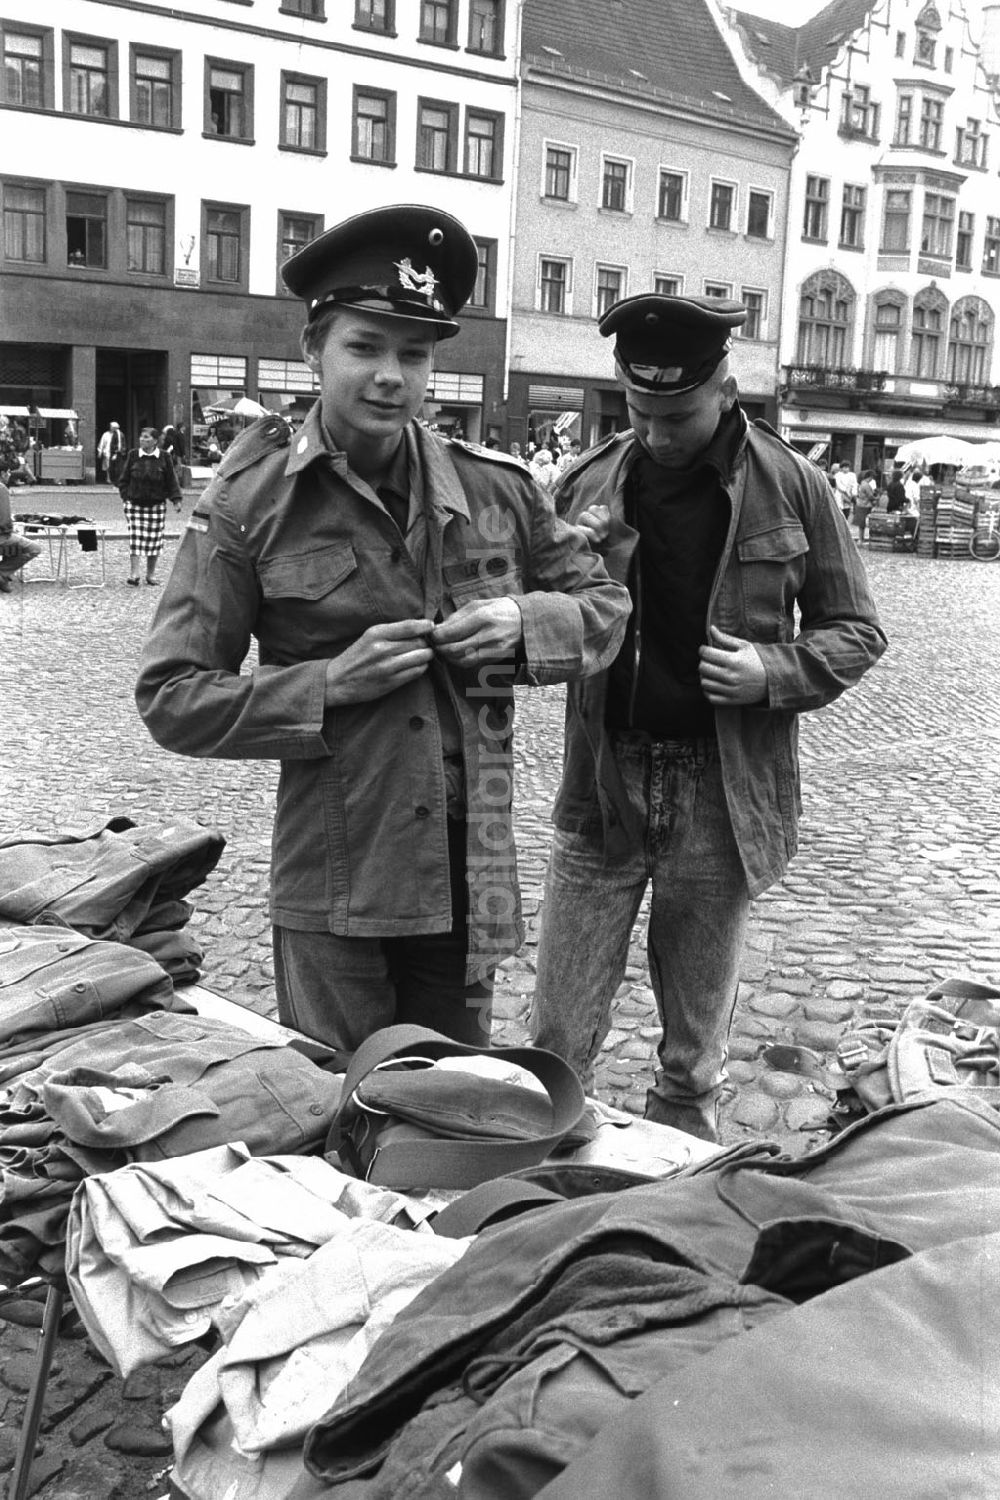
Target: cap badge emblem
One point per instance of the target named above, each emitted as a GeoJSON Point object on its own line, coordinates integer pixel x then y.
{"type": "Point", "coordinates": [422, 282]}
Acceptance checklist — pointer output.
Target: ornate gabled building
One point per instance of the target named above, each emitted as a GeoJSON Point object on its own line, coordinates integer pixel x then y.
{"type": "Point", "coordinates": [890, 324]}
{"type": "Point", "coordinates": [646, 161]}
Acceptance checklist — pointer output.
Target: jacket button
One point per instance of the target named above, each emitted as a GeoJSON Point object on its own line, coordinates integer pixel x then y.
{"type": "Point", "coordinates": [421, 812]}
{"type": "Point", "coordinates": [315, 1109]}
{"type": "Point", "coordinates": [416, 722]}
{"type": "Point", "coordinates": [78, 989]}
{"type": "Point", "coordinates": [496, 565]}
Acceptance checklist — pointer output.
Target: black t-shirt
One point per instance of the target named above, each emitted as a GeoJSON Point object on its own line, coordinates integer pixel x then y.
{"type": "Point", "coordinates": [682, 518]}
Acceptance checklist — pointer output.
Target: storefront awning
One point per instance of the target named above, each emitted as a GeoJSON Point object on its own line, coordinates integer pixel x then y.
{"type": "Point", "coordinates": [14, 411]}
{"type": "Point", "coordinates": [56, 413]}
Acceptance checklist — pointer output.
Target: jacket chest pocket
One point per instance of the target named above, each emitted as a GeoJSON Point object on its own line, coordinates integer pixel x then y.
{"type": "Point", "coordinates": [772, 570]}
{"type": "Point", "coordinates": [495, 576]}
{"type": "Point", "coordinates": [312, 599]}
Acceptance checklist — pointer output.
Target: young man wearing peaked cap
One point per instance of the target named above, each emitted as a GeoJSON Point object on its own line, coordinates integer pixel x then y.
{"type": "Point", "coordinates": [397, 584]}
{"type": "Point", "coordinates": [681, 768]}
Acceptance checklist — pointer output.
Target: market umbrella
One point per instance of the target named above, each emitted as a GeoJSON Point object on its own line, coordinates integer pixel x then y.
{"type": "Point", "coordinates": [937, 450]}
{"type": "Point", "coordinates": [238, 406]}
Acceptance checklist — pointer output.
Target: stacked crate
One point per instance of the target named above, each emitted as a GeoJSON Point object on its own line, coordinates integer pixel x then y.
{"type": "Point", "coordinates": [956, 519]}
{"type": "Point", "coordinates": [928, 509]}
{"type": "Point", "coordinates": [883, 529]}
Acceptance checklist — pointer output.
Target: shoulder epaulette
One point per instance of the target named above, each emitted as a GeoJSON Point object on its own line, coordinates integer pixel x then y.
{"type": "Point", "coordinates": [593, 453]}
{"type": "Point", "coordinates": [267, 435]}
{"type": "Point", "coordinates": [493, 455]}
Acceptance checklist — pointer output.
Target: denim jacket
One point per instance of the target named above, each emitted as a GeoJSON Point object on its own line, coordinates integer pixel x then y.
{"type": "Point", "coordinates": [293, 549]}
{"type": "Point", "coordinates": [787, 545]}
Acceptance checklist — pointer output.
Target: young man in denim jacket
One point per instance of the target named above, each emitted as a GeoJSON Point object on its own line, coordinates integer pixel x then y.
{"type": "Point", "coordinates": [681, 759]}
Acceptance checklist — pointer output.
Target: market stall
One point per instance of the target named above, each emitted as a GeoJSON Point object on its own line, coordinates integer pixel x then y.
{"type": "Point", "coordinates": [58, 452]}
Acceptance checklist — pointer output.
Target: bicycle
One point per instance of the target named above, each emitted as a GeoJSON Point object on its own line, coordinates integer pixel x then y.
{"type": "Point", "coordinates": [984, 544]}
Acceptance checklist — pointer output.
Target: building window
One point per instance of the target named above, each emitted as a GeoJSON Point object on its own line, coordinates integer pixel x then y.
{"type": "Point", "coordinates": [303, 107]}
{"type": "Point", "coordinates": [721, 289]}
{"type": "Point", "coordinates": [230, 102]}
{"type": "Point", "coordinates": [672, 199]}
{"type": "Point", "coordinates": [375, 15]}
{"type": "Point", "coordinates": [560, 173]}
{"type": "Point", "coordinates": [89, 79]}
{"type": "Point", "coordinates": [900, 43]}
{"type": "Point", "coordinates": [87, 230]}
{"type": "Point", "coordinates": [949, 59]}
{"type": "Point", "coordinates": [963, 241]}
{"type": "Point", "coordinates": [484, 292]}
{"type": "Point", "coordinates": [926, 48]}
{"type": "Point", "coordinates": [312, 10]}
{"type": "Point", "coordinates": [295, 231]}
{"type": "Point", "coordinates": [852, 217]}
{"type": "Point", "coordinates": [483, 145]}
{"type": "Point", "coordinates": [437, 22]}
{"type": "Point", "coordinates": [925, 342]}
{"type": "Point", "coordinates": [817, 200]}
{"type": "Point", "coordinates": [668, 286]}
{"type": "Point", "coordinates": [225, 236]}
{"type": "Point", "coordinates": [609, 288]}
{"type": "Point", "coordinates": [554, 285]}
{"type": "Point", "coordinates": [859, 116]}
{"type": "Point", "coordinates": [896, 222]}
{"type": "Point", "coordinates": [24, 223]}
{"type": "Point", "coordinates": [146, 235]}
{"type": "Point", "coordinates": [374, 127]}
{"type": "Point", "coordinates": [991, 247]}
{"type": "Point", "coordinates": [971, 144]}
{"type": "Point", "coordinates": [969, 337]}
{"type": "Point", "coordinates": [938, 225]}
{"type": "Point", "coordinates": [437, 136]}
{"type": "Point", "coordinates": [721, 205]}
{"type": "Point", "coordinates": [904, 120]}
{"type": "Point", "coordinates": [759, 214]}
{"type": "Point", "coordinates": [888, 327]}
{"type": "Point", "coordinates": [755, 303]}
{"type": "Point", "coordinates": [155, 93]}
{"type": "Point", "coordinates": [931, 122]}
{"type": "Point", "coordinates": [486, 27]}
{"type": "Point", "coordinates": [25, 54]}
{"type": "Point", "coordinates": [826, 308]}
{"type": "Point", "coordinates": [616, 177]}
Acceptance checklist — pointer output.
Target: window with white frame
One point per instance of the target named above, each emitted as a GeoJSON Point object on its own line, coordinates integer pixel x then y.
{"type": "Point", "coordinates": [723, 289]}
{"type": "Point", "coordinates": [814, 219]}
{"type": "Point", "coordinates": [754, 299]}
{"type": "Point", "coordinates": [963, 240]}
{"type": "Point", "coordinates": [616, 184]}
{"type": "Point", "coordinates": [721, 205]}
{"type": "Point", "coordinates": [927, 334]}
{"type": "Point", "coordinates": [896, 221]}
{"type": "Point", "coordinates": [852, 217]}
{"type": "Point", "coordinates": [888, 331]}
{"type": "Point", "coordinates": [938, 225]}
{"type": "Point", "coordinates": [970, 336]}
{"type": "Point", "coordinates": [860, 115]}
{"type": "Point", "coordinates": [672, 196]}
{"type": "Point", "coordinates": [760, 205]}
{"type": "Point", "coordinates": [609, 288]}
{"type": "Point", "coordinates": [904, 120]}
{"type": "Point", "coordinates": [559, 172]}
{"type": "Point", "coordinates": [666, 285]}
{"type": "Point", "coordinates": [931, 122]}
{"type": "Point", "coordinates": [991, 246]}
{"type": "Point", "coordinates": [555, 284]}
{"type": "Point", "coordinates": [971, 144]}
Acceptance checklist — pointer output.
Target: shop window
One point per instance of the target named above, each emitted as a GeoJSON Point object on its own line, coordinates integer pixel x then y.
{"type": "Point", "coordinates": [375, 15]}
{"type": "Point", "coordinates": [303, 113]}
{"type": "Point", "coordinates": [374, 128]}
{"type": "Point", "coordinates": [28, 76]}
{"type": "Point", "coordinates": [225, 236]}
{"type": "Point", "coordinates": [486, 27]}
{"type": "Point", "coordinates": [90, 77]}
{"type": "Point", "coordinates": [437, 136]}
{"type": "Point", "coordinates": [87, 230]}
{"type": "Point", "coordinates": [24, 222]}
{"type": "Point", "coordinates": [483, 145]}
{"type": "Point", "coordinates": [759, 209]}
{"type": "Point", "coordinates": [155, 89]}
{"type": "Point", "coordinates": [438, 22]}
{"type": "Point", "coordinates": [484, 292]}
{"type": "Point", "coordinates": [228, 100]}
{"type": "Point", "coordinates": [559, 181]}
{"type": "Point", "coordinates": [721, 205]}
{"type": "Point", "coordinates": [555, 285]}
{"type": "Point", "coordinates": [146, 235]}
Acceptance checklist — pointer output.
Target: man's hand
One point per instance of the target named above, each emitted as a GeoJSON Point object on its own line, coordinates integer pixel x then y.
{"type": "Point", "coordinates": [594, 522]}
{"type": "Point", "coordinates": [384, 658]}
{"type": "Point", "coordinates": [483, 630]}
{"type": "Point", "coordinates": [731, 670]}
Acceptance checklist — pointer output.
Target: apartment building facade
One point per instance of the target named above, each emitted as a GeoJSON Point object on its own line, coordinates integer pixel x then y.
{"type": "Point", "coordinates": [161, 162]}
{"type": "Point", "coordinates": [893, 258]}
{"type": "Point", "coordinates": [646, 162]}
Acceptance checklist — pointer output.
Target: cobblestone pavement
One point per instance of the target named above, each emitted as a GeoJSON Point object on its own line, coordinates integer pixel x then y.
{"type": "Point", "coordinates": [896, 885]}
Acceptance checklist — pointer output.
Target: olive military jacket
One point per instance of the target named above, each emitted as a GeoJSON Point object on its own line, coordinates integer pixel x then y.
{"type": "Point", "coordinates": [288, 546]}
{"type": "Point", "coordinates": [787, 549]}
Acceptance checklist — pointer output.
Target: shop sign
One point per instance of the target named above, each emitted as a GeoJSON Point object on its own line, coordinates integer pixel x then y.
{"type": "Point", "coordinates": [187, 276]}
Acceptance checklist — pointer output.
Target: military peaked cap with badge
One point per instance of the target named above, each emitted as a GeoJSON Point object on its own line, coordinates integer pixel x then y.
{"type": "Point", "coordinates": [666, 346]}
{"type": "Point", "coordinates": [404, 261]}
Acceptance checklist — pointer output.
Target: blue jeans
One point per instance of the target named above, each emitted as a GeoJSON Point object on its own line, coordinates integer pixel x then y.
{"type": "Point", "coordinates": [697, 924]}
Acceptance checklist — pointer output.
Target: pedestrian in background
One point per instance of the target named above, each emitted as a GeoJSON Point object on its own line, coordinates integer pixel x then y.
{"type": "Point", "coordinates": [109, 452]}
{"type": "Point", "coordinates": [543, 468]}
{"type": "Point", "coordinates": [148, 480]}
{"type": "Point", "coordinates": [865, 503]}
{"type": "Point", "coordinates": [398, 584]}
{"type": "Point", "coordinates": [845, 482]}
{"type": "Point", "coordinates": [681, 767]}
